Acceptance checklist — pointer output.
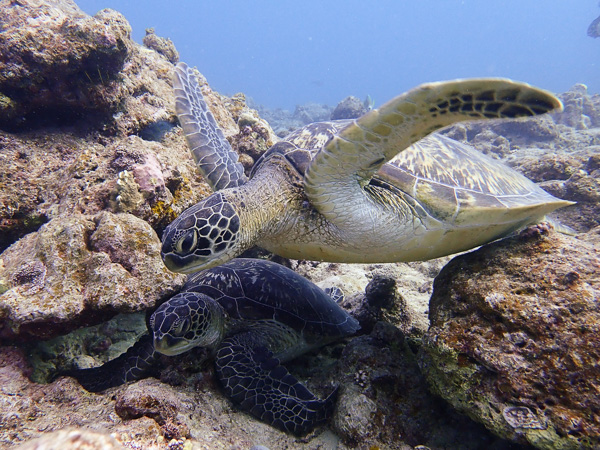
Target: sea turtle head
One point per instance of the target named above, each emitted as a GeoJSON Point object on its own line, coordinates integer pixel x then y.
{"type": "Point", "coordinates": [187, 320]}
{"type": "Point", "coordinates": [203, 236]}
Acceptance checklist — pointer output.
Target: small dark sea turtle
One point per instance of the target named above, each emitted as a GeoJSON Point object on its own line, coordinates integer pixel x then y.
{"type": "Point", "coordinates": [377, 189]}
{"type": "Point", "coordinates": [254, 314]}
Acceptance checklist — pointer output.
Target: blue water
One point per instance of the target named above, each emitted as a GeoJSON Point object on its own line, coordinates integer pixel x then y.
{"type": "Point", "coordinates": [286, 53]}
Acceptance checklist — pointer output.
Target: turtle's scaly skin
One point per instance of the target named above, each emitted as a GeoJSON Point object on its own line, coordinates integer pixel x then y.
{"type": "Point", "coordinates": [255, 314]}
{"type": "Point", "coordinates": [381, 188]}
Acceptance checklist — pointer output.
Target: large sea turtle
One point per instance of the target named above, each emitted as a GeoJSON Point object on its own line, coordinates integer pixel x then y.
{"type": "Point", "coordinates": [254, 314]}
{"type": "Point", "coordinates": [381, 188]}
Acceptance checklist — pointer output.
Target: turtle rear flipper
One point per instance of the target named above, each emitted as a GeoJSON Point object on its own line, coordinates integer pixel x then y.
{"type": "Point", "coordinates": [131, 365]}
{"type": "Point", "coordinates": [253, 378]}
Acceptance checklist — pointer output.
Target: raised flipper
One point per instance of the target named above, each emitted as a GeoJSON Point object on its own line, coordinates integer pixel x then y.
{"type": "Point", "coordinates": [258, 384]}
{"type": "Point", "coordinates": [335, 178]}
{"type": "Point", "coordinates": [214, 157]}
{"type": "Point", "coordinates": [131, 365]}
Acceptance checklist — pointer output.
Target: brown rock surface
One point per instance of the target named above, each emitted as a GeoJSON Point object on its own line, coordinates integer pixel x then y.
{"type": "Point", "coordinates": [150, 398]}
{"type": "Point", "coordinates": [384, 403]}
{"type": "Point", "coordinates": [73, 439]}
{"type": "Point", "coordinates": [78, 270]}
{"type": "Point", "coordinates": [514, 340]}
{"type": "Point", "coordinates": [164, 46]}
{"type": "Point", "coordinates": [29, 410]}
{"type": "Point", "coordinates": [58, 61]}
{"type": "Point", "coordinates": [48, 174]}
{"type": "Point", "coordinates": [119, 152]}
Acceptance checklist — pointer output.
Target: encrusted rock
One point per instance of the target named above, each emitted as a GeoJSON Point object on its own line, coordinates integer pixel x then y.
{"type": "Point", "coordinates": [164, 46]}
{"type": "Point", "coordinates": [254, 138]}
{"type": "Point", "coordinates": [29, 410]}
{"type": "Point", "coordinates": [152, 399]}
{"type": "Point", "coordinates": [514, 340]}
{"type": "Point", "coordinates": [57, 61]}
{"type": "Point", "coordinates": [74, 439]}
{"type": "Point", "coordinates": [380, 299]}
{"type": "Point", "coordinates": [349, 108]}
{"type": "Point", "coordinates": [384, 403]}
{"type": "Point", "coordinates": [381, 292]}
{"type": "Point", "coordinates": [549, 166]}
{"type": "Point", "coordinates": [79, 270]}
{"type": "Point", "coordinates": [45, 175]}
{"type": "Point", "coordinates": [581, 111]}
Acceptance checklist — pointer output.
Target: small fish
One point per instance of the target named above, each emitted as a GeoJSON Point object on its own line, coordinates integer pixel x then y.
{"type": "Point", "coordinates": [594, 28]}
{"type": "Point", "coordinates": [369, 104]}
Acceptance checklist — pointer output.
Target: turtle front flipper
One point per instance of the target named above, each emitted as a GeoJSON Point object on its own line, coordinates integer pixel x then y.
{"type": "Point", "coordinates": [131, 365]}
{"type": "Point", "coordinates": [258, 384]}
{"type": "Point", "coordinates": [335, 179]}
{"type": "Point", "coordinates": [212, 153]}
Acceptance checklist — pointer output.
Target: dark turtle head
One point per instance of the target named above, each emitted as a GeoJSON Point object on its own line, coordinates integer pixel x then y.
{"type": "Point", "coordinates": [203, 236]}
{"type": "Point", "coordinates": [185, 321]}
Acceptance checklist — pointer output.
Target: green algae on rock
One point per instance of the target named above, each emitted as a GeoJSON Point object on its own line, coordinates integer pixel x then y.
{"type": "Point", "coordinates": [514, 340]}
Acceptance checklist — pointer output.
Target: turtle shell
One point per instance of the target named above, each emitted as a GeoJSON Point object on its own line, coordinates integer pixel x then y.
{"type": "Point", "coordinates": [254, 289]}
{"type": "Point", "coordinates": [300, 146]}
{"type": "Point", "coordinates": [452, 181]}
{"type": "Point", "coordinates": [456, 183]}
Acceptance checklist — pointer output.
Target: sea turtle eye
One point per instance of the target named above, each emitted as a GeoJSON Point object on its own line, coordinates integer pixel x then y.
{"type": "Point", "coordinates": [187, 242]}
{"type": "Point", "coordinates": [181, 327]}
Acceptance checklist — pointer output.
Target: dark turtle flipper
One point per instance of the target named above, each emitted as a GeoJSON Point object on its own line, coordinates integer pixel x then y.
{"type": "Point", "coordinates": [131, 365]}
{"type": "Point", "coordinates": [255, 381]}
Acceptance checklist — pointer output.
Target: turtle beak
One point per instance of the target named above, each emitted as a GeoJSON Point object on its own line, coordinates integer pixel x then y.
{"type": "Point", "coordinates": [176, 263]}
{"type": "Point", "coordinates": [188, 264]}
{"type": "Point", "coordinates": [170, 346]}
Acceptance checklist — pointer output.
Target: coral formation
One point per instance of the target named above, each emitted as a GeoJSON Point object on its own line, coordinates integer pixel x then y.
{"type": "Point", "coordinates": [57, 62]}
{"type": "Point", "coordinates": [79, 270]}
{"type": "Point", "coordinates": [514, 339]}
{"type": "Point", "coordinates": [164, 46]}
{"type": "Point", "coordinates": [349, 108]}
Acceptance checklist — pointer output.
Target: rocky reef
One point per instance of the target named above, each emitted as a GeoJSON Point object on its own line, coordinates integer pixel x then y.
{"type": "Point", "coordinates": [514, 340]}
{"type": "Point", "coordinates": [501, 351]}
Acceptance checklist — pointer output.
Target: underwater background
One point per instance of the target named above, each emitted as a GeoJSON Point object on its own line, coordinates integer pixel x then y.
{"type": "Point", "coordinates": [497, 348]}
{"type": "Point", "coordinates": [282, 54]}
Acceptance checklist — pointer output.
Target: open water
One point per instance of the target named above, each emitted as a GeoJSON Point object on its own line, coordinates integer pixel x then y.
{"type": "Point", "coordinates": [286, 53]}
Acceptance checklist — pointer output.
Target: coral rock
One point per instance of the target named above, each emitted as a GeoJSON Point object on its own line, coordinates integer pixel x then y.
{"type": "Point", "coordinates": [79, 270]}
{"type": "Point", "coordinates": [162, 45]}
{"type": "Point", "coordinates": [515, 339]}
{"type": "Point", "coordinates": [58, 60]}
{"type": "Point", "coordinates": [74, 439]}
{"type": "Point", "coordinates": [349, 108]}
{"type": "Point", "coordinates": [384, 403]}
{"type": "Point", "coordinates": [152, 399]}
